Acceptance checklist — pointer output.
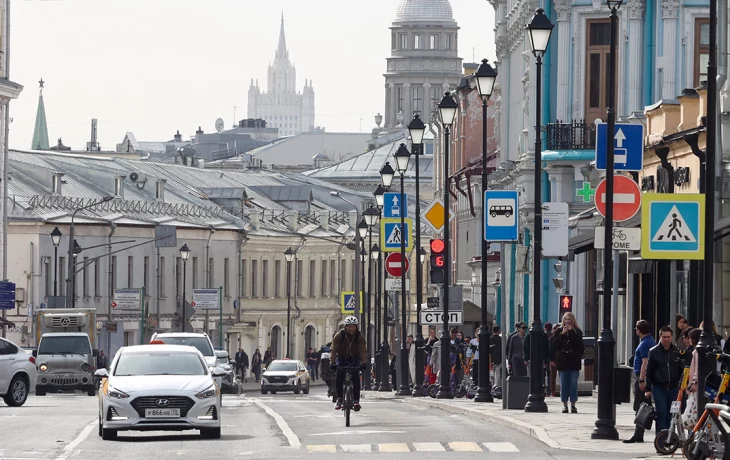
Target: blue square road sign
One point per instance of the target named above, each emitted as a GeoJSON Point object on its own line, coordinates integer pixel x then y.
{"type": "Point", "coordinates": [628, 147]}
{"type": "Point", "coordinates": [395, 205]}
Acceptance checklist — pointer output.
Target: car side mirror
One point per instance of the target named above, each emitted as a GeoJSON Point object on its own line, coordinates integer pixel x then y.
{"type": "Point", "coordinates": [35, 353]}
{"type": "Point", "coordinates": [219, 372]}
{"type": "Point", "coordinates": [101, 373]}
{"type": "Point", "coordinates": [95, 352]}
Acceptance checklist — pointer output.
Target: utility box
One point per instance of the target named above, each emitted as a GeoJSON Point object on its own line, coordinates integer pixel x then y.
{"type": "Point", "coordinates": [622, 384]}
{"type": "Point", "coordinates": [517, 391]}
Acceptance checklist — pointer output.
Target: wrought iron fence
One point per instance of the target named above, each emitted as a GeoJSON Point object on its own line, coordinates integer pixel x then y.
{"type": "Point", "coordinates": [575, 135]}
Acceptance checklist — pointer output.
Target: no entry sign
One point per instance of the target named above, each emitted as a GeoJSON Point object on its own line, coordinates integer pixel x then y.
{"type": "Point", "coordinates": [394, 264]}
{"type": "Point", "coordinates": [626, 198]}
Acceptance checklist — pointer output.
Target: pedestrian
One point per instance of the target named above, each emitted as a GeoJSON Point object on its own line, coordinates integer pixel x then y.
{"type": "Point", "coordinates": [256, 362]}
{"type": "Point", "coordinates": [457, 353]}
{"type": "Point", "coordinates": [515, 351]}
{"type": "Point", "coordinates": [495, 355]}
{"type": "Point", "coordinates": [568, 348]}
{"type": "Point", "coordinates": [241, 363]}
{"type": "Point", "coordinates": [101, 362]}
{"type": "Point", "coordinates": [268, 357]}
{"type": "Point", "coordinates": [311, 363]}
{"type": "Point", "coordinates": [682, 325]}
{"type": "Point", "coordinates": [553, 369]}
{"type": "Point", "coordinates": [318, 357]}
{"type": "Point", "coordinates": [687, 340]}
{"type": "Point", "coordinates": [641, 359]}
{"type": "Point", "coordinates": [411, 347]}
{"type": "Point", "coordinates": [512, 334]}
{"type": "Point", "coordinates": [474, 347]}
{"type": "Point", "coordinates": [663, 373]}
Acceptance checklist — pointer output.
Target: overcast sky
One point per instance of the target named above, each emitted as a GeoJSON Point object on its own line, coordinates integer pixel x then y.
{"type": "Point", "coordinates": [155, 66]}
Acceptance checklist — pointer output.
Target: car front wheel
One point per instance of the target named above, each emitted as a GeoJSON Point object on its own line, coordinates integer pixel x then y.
{"type": "Point", "coordinates": [108, 435]}
{"type": "Point", "coordinates": [298, 388]}
{"type": "Point", "coordinates": [17, 393]}
{"type": "Point", "coordinates": [211, 433]}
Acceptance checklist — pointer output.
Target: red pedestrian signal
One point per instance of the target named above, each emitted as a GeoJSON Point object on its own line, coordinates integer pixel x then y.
{"type": "Point", "coordinates": [438, 261]}
{"type": "Point", "coordinates": [566, 304]}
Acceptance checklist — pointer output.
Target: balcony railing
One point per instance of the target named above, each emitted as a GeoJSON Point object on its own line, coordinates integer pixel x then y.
{"type": "Point", "coordinates": [576, 135]}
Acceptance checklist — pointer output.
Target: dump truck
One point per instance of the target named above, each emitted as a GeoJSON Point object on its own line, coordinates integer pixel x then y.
{"type": "Point", "coordinates": [66, 352]}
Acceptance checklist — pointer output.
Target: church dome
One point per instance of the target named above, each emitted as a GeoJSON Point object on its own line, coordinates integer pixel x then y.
{"type": "Point", "coordinates": [424, 10]}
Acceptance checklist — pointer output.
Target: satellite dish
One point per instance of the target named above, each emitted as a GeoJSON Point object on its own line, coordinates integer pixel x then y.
{"type": "Point", "coordinates": [219, 125]}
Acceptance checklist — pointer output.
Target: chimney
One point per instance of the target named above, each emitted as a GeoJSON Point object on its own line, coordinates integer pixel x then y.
{"type": "Point", "coordinates": [160, 190]}
{"type": "Point", "coordinates": [119, 187]}
{"type": "Point", "coordinates": [56, 183]}
{"type": "Point", "coordinates": [199, 131]}
{"type": "Point", "coordinates": [178, 136]}
{"type": "Point", "coordinates": [292, 217]}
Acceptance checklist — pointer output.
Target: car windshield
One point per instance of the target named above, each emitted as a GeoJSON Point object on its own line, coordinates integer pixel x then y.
{"type": "Point", "coordinates": [282, 367]}
{"type": "Point", "coordinates": [222, 361]}
{"type": "Point", "coordinates": [159, 363]}
{"type": "Point", "coordinates": [68, 345]}
{"type": "Point", "coordinates": [201, 343]}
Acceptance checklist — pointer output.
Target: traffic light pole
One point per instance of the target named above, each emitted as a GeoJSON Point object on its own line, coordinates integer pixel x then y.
{"type": "Point", "coordinates": [445, 387]}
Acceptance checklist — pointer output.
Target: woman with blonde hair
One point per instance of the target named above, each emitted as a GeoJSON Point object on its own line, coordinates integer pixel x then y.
{"type": "Point", "coordinates": [567, 347]}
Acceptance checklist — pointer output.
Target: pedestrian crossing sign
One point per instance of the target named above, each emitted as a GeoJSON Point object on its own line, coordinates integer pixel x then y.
{"type": "Point", "coordinates": [347, 303]}
{"type": "Point", "coordinates": [672, 226]}
{"type": "Point", "coordinates": [392, 236]}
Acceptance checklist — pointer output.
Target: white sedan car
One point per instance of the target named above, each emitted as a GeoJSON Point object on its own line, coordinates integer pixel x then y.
{"type": "Point", "coordinates": [285, 375]}
{"type": "Point", "coordinates": [17, 371]}
{"type": "Point", "coordinates": [159, 387]}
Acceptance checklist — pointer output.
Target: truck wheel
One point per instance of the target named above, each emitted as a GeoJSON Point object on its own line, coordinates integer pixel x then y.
{"type": "Point", "coordinates": [40, 391]}
{"type": "Point", "coordinates": [91, 391]}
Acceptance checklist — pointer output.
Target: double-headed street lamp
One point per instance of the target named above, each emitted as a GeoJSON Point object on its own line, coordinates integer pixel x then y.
{"type": "Point", "coordinates": [485, 78]}
{"type": "Point", "coordinates": [289, 256]}
{"type": "Point", "coordinates": [402, 157]}
{"type": "Point", "coordinates": [56, 240]}
{"type": "Point", "coordinates": [184, 255]}
{"type": "Point", "coordinates": [386, 176]}
{"type": "Point", "coordinates": [540, 28]}
{"type": "Point", "coordinates": [606, 419]}
{"type": "Point", "coordinates": [417, 129]}
{"type": "Point", "coordinates": [371, 217]}
{"type": "Point", "coordinates": [447, 112]}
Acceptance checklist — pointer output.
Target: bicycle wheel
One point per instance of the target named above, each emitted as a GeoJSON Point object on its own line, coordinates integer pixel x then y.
{"type": "Point", "coordinates": [460, 391]}
{"type": "Point", "coordinates": [666, 442]}
{"type": "Point", "coordinates": [348, 402]}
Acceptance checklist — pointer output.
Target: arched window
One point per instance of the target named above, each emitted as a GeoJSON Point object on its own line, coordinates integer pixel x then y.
{"type": "Point", "coordinates": [276, 341]}
{"type": "Point", "coordinates": [310, 337]}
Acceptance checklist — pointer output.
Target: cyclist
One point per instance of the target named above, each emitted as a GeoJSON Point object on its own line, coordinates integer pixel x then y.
{"type": "Point", "coordinates": [349, 348]}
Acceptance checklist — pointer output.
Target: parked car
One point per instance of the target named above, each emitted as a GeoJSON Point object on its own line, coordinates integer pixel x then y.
{"type": "Point", "coordinates": [17, 373]}
{"type": "Point", "coordinates": [285, 375]}
{"type": "Point", "coordinates": [229, 384]}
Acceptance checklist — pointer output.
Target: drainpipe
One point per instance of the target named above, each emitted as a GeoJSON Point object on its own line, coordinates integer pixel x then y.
{"type": "Point", "coordinates": [110, 296]}
{"type": "Point", "coordinates": [526, 280]}
{"type": "Point", "coordinates": [722, 18]}
{"type": "Point", "coordinates": [207, 272]}
{"type": "Point", "coordinates": [339, 279]}
{"type": "Point", "coordinates": [298, 314]}
{"type": "Point", "coordinates": [158, 293]}
{"type": "Point", "coordinates": [242, 240]}
{"type": "Point", "coordinates": [512, 278]}
{"type": "Point", "coordinates": [649, 53]}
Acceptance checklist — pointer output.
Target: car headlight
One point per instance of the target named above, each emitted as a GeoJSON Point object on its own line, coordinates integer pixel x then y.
{"type": "Point", "coordinates": [115, 394]}
{"type": "Point", "coordinates": [210, 392]}
{"type": "Point", "coordinates": [227, 367]}
{"type": "Point", "coordinates": [43, 368]}
{"type": "Point", "coordinates": [85, 367]}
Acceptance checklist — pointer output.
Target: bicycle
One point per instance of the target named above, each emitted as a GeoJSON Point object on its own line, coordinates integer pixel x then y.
{"type": "Point", "coordinates": [347, 396]}
{"type": "Point", "coordinates": [467, 382]}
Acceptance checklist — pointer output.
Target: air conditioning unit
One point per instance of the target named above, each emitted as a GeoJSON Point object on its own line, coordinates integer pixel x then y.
{"type": "Point", "coordinates": [137, 177]}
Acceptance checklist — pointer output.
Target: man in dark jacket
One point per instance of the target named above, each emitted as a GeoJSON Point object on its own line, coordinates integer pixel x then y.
{"type": "Point", "coordinates": [495, 355]}
{"type": "Point", "coordinates": [663, 373]}
{"type": "Point", "coordinates": [349, 348]}
{"type": "Point", "coordinates": [241, 363]}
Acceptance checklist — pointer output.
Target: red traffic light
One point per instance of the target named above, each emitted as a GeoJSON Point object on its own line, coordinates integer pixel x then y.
{"type": "Point", "coordinates": [566, 303]}
{"type": "Point", "coordinates": [437, 245]}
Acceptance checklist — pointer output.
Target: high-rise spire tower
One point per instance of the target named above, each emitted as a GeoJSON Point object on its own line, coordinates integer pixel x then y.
{"type": "Point", "coordinates": [40, 132]}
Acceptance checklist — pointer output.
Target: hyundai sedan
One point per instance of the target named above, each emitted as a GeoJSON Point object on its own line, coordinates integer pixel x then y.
{"type": "Point", "coordinates": [159, 387]}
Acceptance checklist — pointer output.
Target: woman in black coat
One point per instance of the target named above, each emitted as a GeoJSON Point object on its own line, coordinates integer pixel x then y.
{"type": "Point", "coordinates": [567, 347]}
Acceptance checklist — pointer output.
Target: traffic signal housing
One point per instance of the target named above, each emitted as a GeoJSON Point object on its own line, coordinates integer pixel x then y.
{"type": "Point", "coordinates": [566, 304]}
{"type": "Point", "coordinates": [438, 261]}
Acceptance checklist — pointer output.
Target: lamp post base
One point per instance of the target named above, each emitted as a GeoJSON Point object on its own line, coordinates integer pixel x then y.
{"type": "Point", "coordinates": [376, 384]}
{"type": "Point", "coordinates": [368, 373]}
{"type": "Point", "coordinates": [420, 371]}
{"type": "Point", "coordinates": [484, 393]}
{"type": "Point", "coordinates": [536, 398]}
{"type": "Point", "coordinates": [444, 393]}
{"type": "Point", "coordinates": [606, 421]}
{"type": "Point", "coordinates": [384, 368]}
{"type": "Point", "coordinates": [405, 388]}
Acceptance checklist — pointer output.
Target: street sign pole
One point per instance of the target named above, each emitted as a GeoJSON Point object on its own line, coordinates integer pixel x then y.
{"type": "Point", "coordinates": [420, 354]}
{"type": "Point", "coordinates": [405, 389]}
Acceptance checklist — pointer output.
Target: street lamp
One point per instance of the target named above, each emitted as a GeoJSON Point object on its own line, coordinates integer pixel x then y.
{"type": "Point", "coordinates": [447, 111]}
{"type": "Point", "coordinates": [379, 195]}
{"type": "Point", "coordinates": [76, 251]}
{"type": "Point", "coordinates": [485, 78]}
{"type": "Point", "coordinates": [386, 175]}
{"type": "Point", "coordinates": [375, 256]}
{"type": "Point", "coordinates": [357, 245]}
{"type": "Point", "coordinates": [289, 256]}
{"type": "Point", "coordinates": [370, 215]}
{"type": "Point", "coordinates": [606, 417]}
{"type": "Point", "coordinates": [417, 129]}
{"type": "Point", "coordinates": [363, 259]}
{"type": "Point", "coordinates": [184, 255]}
{"type": "Point", "coordinates": [540, 29]}
{"type": "Point", "coordinates": [402, 157]}
{"type": "Point", "coordinates": [56, 240]}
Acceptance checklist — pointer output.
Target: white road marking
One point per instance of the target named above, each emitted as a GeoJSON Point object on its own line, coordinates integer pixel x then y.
{"type": "Point", "coordinates": [68, 450]}
{"type": "Point", "coordinates": [329, 448]}
{"type": "Point", "coordinates": [283, 426]}
{"type": "Point", "coordinates": [465, 447]}
{"type": "Point", "coordinates": [358, 448]}
{"type": "Point", "coordinates": [393, 447]}
{"type": "Point", "coordinates": [500, 447]}
{"type": "Point", "coordinates": [355, 432]}
{"type": "Point", "coordinates": [428, 447]}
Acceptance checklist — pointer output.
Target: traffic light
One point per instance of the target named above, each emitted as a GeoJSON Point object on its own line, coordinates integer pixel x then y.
{"type": "Point", "coordinates": [566, 304]}
{"type": "Point", "coordinates": [438, 261]}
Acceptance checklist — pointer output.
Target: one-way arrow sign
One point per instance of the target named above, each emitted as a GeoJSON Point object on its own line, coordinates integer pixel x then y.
{"type": "Point", "coordinates": [628, 147]}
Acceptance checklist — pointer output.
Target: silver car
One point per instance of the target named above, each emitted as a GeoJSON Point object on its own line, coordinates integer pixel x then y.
{"type": "Point", "coordinates": [285, 375]}
{"type": "Point", "coordinates": [159, 387]}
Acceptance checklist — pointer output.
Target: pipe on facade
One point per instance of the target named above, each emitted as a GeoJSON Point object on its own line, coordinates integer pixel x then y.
{"type": "Point", "coordinates": [526, 282]}
{"type": "Point", "coordinates": [512, 279]}
{"type": "Point", "coordinates": [298, 314]}
{"type": "Point", "coordinates": [242, 240]}
{"type": "Point", "coordinates": [649, 53]}
{"type": "Point", "coordinates": [339, 277]}
{"type": "Point", "coordinates": [207, 275]}
{"type": "Point", "coordinates": [110, 294]}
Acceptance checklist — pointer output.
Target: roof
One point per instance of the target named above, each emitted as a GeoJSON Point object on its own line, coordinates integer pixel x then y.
{"type": "Point", "coordinates": [147, 348]}
{"type": "Point", "coordinates": [424, 10]}
{"type": "Point", "coordinates": [303, 148]}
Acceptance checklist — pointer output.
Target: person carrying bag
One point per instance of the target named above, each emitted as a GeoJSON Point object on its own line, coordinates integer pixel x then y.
{"type": "Point", "coordinates": [645, 415]}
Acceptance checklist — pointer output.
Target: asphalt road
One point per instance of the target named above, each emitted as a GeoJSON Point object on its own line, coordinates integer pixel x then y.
{"type": "Point", "coordinates": [63, 427]}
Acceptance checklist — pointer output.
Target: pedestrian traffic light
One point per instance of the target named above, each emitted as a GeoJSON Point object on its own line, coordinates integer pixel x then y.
{"type": "Point", "coordinates": [566, 304]}
{"type": "Point", "coordinates": [438, 261]}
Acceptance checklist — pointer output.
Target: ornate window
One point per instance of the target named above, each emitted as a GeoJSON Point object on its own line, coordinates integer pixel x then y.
{"type": "Point", "coordinates": [702, 50]}
{"type": "Point", "coordinates": [434, 42]}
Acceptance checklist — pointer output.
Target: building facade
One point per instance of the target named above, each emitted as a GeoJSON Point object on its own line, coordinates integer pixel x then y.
{"type": "Point", "coordinates": [281, 105]}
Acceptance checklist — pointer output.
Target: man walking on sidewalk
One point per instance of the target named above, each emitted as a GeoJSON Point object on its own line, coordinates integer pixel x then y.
{"type": "Point", "coordinates": [641, 361]}
{"type": "Point", "coordinates": [663, 372]}
{"type": "Point", "coordinates": [495, 354]}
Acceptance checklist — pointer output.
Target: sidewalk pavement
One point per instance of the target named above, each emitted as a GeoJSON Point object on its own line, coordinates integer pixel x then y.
{"type": "Point", "coordinates": [557, 430]}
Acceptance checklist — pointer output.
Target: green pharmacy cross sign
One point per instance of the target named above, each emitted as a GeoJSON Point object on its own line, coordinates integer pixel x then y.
{"type": "Point", "coordinates": [586, 192]}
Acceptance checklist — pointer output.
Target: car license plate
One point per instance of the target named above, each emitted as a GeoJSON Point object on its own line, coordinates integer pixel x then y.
{"type": "Point", "coordinates": [676, 405]}
{"type": "Point", "coordinates": [162, 413]}
{"type": "Point", "coordinates": [277, 384]}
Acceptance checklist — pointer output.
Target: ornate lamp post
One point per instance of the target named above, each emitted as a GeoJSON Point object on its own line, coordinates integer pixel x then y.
{"type": "Point", "coordinates": [56, 240]}
{"type": "Point", "coordinates": [375, 255]}
{"type": "Point", "coordinates": [402, 157]}
{"type": "Point", "coordinates": [485, 78]}
{"type": "Point", "coordinates": [386, 176]}
{"type": "Point", "coordinates": [447, 111]}
{"type": "Point", "coordinates": [371, 217]}
{"type": "Point", "coordinates": [289, 256]}
{"type": "Point", "coordinates": [184, 255]}
{"type": "Point", "coordinates": [362, 231]}
{"type": "Point", "coordinates": [540, 29]}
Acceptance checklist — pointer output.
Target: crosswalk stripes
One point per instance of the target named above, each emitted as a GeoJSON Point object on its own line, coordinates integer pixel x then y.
{"type": "Point", "coordinates": [456, 446]}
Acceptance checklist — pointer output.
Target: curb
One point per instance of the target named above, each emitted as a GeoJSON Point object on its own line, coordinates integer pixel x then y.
{"type": "Point", "coordinates": [526, 428]}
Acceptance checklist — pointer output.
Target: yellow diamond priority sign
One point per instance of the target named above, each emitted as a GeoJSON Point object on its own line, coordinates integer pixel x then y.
{"type": "Point", "coordinates": [434, 215]}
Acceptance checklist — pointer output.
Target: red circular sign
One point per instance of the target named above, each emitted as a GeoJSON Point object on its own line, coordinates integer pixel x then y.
{"type": "Point", "coordinates": [393, 264]}
{"type": "Point", "coordinates": [626, 198]}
